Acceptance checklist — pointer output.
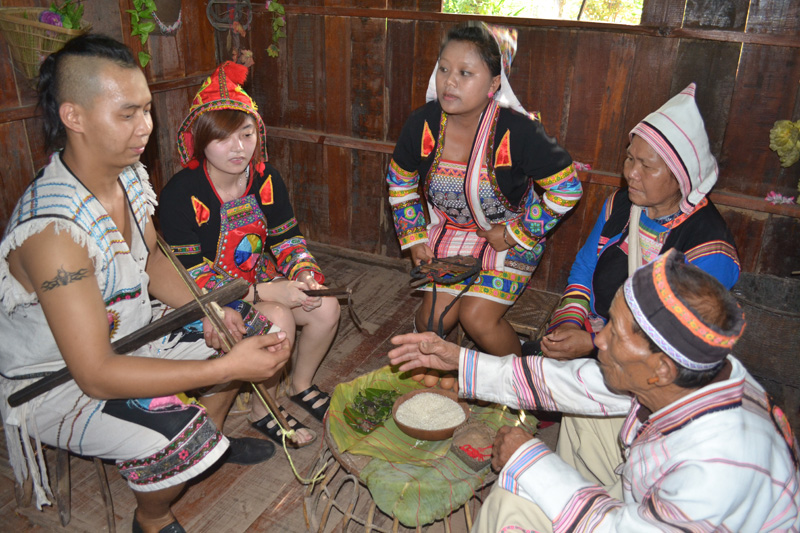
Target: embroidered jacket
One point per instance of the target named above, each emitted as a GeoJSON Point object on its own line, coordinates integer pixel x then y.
{"type": "Point", "coordinates": [601, 266]}
{"type": "Point", "coordinates": [519, 154]}
{"type": "Point", "coordinates": [719, 459]}
{"type": "Point", "coordinates": [219, 242]}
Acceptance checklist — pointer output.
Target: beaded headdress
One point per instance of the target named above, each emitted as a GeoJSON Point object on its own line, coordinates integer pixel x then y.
{"type": "Point", "coordinates": [221, 90]}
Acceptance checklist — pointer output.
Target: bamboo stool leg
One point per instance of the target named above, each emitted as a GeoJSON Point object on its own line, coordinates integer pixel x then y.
{"type": "Point", "coordinates": [468, 514]}
{"type": "Point", "coordinates": [106, 492]}
{"type": "Point", "coordinates": [63, 486]}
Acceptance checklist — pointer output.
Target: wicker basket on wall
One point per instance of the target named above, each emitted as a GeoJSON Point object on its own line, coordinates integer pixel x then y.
{"type": "Point", "coordinates": [31, 41]}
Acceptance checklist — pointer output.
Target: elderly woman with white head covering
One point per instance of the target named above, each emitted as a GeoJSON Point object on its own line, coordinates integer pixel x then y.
{"type": "Point", "coordinates": [669, 170]}
{"type": "Point", "coordinates": [473, 155]}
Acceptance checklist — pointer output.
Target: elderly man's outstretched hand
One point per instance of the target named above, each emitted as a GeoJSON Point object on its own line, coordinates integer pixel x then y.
{"type": "Point", "coordinates": [506, 442]}
{"type": "Point", "coordinates": [425, 350]}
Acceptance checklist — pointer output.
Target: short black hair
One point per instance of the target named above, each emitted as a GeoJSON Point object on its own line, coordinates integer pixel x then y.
{"type": "Point", "coordinates": [52, 77]}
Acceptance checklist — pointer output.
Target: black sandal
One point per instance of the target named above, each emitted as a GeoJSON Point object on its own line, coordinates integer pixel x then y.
{"type": "Point", "coordinates": [314, 401]}
{"type": "Point", "coordinates": [269, 427]}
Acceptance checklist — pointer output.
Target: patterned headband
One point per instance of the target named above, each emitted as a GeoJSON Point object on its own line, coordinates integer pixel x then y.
{"type": "Point", "coordinates": [685, 337]}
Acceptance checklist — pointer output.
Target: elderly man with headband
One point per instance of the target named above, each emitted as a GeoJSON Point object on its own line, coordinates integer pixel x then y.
{"type": "Point", "coordinates": [705, 449]}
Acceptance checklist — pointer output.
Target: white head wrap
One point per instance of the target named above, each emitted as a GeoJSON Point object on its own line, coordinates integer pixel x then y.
{"type": "Point", "coordinates": [678, 135]}
{"type": "Point", "coordinates": [506, 39]}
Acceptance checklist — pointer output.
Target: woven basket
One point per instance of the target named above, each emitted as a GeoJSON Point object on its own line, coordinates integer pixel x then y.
{"type": "Point", "coordinates": [31, 41]}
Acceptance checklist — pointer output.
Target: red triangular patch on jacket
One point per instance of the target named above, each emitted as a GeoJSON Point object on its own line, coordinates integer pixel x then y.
{"type": "Point", "coordinates": [265, 193]}
{"type": "Point", "coordinates": [502, 156]}
{"type": "Point", "coordinates": [428, 142]}
{"type": "Point", "coordinates": [201, 212]}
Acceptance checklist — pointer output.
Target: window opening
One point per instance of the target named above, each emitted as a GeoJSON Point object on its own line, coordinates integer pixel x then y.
{"type": "Point", "coordinates": [614, 11]}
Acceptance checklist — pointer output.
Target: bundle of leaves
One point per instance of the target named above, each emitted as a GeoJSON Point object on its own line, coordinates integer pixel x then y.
{"type": "Point", "coordinates": [371, 408]}
{"type": "Point", "coordinates": [784, 139]}
{"type": "Point", "coordinates": [68, 15]}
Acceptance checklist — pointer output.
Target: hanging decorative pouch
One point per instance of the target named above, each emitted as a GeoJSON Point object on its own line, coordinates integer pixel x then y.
{"type": "Point", "coordinates": [446, 271]}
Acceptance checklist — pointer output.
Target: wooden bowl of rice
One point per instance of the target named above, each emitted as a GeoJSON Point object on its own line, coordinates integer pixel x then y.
{"type": "Point", "coordinates": [429, 414]}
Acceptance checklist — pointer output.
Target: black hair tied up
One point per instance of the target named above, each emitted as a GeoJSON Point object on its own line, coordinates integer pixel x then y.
{"type": "Point", "coordinates": [51, 76]}
{"type": "Point", "coordinates": [478, 35]}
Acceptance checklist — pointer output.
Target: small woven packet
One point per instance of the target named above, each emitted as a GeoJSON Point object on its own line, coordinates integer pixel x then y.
{"type": "Point", "coordinates": [472, 443]}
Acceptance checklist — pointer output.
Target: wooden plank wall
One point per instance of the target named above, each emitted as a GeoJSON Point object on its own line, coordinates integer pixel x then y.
{"type": "Point", "coordinates": [180, 64]}
{"type": "Point", "coordinates": [350, 73]}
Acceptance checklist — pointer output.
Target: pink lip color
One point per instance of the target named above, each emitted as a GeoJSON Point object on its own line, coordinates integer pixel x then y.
{"type": "Point", "coordinates": [139, 150]}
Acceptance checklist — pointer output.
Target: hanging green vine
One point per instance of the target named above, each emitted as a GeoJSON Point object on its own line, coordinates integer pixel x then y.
{"type": "Point", "coordinates": [278, 26]}
{"type": "Point", "coordinates": [142, 24]}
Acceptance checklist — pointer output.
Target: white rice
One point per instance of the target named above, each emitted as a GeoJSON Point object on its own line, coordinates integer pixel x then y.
{"type": "Point", "coordinates": [430, 411]}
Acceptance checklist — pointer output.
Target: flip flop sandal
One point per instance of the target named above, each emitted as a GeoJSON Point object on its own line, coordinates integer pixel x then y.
{"type": "Point", "coordinates": [269, 427]}
{"type": "Point", "coordinates": [314, 401]}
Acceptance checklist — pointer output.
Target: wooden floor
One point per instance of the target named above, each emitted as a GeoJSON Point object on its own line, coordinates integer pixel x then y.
{"type": "Point", "coordinates": [265, 497]}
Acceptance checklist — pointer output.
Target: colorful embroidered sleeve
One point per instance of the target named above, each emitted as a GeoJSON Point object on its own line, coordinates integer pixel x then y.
{"type": "Point", "coordinates": [408, 214]}
{"type": "Point", "coordinates": [719, 259]}
{"type": "Point", "coordinates": [574, 306]}
{"type": "Point", "coordinates": [562, 192]}
{"type": "Point", "coordinates": [206, 276]}
{"type": "Point", "coordinates": [416, 142]}
{"type": "Point", "coordinates": [283, 234]}
{"type": "Point", "coordinates": [538, 158]}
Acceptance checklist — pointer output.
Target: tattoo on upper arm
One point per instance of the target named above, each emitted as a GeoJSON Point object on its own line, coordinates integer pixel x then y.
{"type": "Point", "coordinates": [64, 278]}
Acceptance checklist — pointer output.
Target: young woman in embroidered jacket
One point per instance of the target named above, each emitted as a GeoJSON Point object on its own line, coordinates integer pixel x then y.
{"type": "Point", "coordinates": [228, 214]}
{"type": "Point", "coordinates": [475, 157]}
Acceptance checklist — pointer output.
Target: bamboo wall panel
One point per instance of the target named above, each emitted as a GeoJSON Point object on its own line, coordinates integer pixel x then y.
{"type": "Point", "coordinates": [749, 229]}
{"type": "Point", "coordinates": [668, 13]}
{"type": "Point", "coordinates": [712, 66]}
{"type": "Point", "coordinates": [727, 14]}
{"type": "Point", "coordinates": [548, 90]}
{"type": "Point", "coordinates": [774, 17]}
{"type": "Point", "coordinates": [367, 75]}
{"type": "Point", "coordinates": [398, 89]}
{"type": "Point", "coordinates": [427, 40]}
{"type": "Point", "coordinates": [766, 91]}
{"type": "Point", "coordinates": [337, 100]}
{"type": "Point", "coordinates": [17, 168]}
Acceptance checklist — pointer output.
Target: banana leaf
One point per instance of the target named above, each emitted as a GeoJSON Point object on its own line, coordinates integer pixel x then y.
{"type": "Point", "coordinates": [416, 481]}
{"type": "Point", "coordinates": [421, 494]}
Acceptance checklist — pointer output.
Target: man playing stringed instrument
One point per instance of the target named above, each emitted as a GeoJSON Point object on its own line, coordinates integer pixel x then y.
{"type": "Point", "coordinates": [78, 264]}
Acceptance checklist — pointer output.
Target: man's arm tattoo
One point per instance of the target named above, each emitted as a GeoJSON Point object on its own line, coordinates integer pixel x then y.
{"type": "Point", "coordinates": [64, 278]}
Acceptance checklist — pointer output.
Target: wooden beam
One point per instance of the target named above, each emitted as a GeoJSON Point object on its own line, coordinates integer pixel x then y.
{"type": "Point", "coordinates": [341, 141]}
{"type": "Point", "coordinates": [30, 111]}
{"type": "Point", "coordinates": [598, 177]}
{"type": "Point", "coordinates": [788, 40]}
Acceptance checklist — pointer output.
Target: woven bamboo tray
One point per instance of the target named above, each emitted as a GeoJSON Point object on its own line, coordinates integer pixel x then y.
{"type": "Point", "coordinates": [31, 41]}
